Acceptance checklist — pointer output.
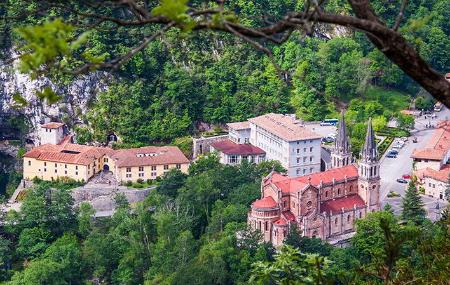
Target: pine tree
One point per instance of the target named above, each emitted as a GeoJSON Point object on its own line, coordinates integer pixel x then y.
{"type": "Point", "coordinates": [412, 205]}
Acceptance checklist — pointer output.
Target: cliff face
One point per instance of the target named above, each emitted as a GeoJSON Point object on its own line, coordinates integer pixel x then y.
{"type": "Point", "coordinates": [76, 97]}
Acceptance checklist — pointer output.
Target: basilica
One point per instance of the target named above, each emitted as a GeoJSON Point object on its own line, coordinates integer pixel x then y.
{"type": "Point", "coordinates": [324, 204]}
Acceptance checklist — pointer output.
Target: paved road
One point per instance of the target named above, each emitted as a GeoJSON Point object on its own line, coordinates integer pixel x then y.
{"type": "Point", "coordinates": [393, 168]}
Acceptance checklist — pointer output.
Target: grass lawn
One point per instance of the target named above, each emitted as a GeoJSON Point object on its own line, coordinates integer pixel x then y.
{"type": "Point", "coordinates": [391, 100]}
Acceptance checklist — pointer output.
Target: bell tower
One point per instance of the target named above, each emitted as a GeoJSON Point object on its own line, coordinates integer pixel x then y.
{"type": "Point", "coordinates": [369, 171]}
{"type": "Point", "coordinates": [341, 154]}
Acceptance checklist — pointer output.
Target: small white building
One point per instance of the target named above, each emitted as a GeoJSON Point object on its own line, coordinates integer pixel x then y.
{"type": "Point", "coordinates": [436, 182]}
{"type": "Point", "coordinates": [285, 139]}
{"type": "Point", "coordinates": [52, 133]}
{"type": "Point", "coordinates": [237, 147]}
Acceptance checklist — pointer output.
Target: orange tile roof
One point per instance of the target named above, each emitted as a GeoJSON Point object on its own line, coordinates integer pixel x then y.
{"type": "Point", "coordinates": [265, 203]}
{"type": "Point", "coordinates": [67, 153]}
{"type": "Point", "coordinates": [429, 153]}
{"type": "Point", "coordinates": [85, 155]}
{"type": "Point", "coordinates": [284, 127]}
{"type": "Point", "coordinates": [52, 125]}
{"type": "Point", "coordinates": [293, 184]}
{"type": "Point", "coordinates": [239, 125]}
{"type": "Point", "coordinates": [441, 175]}
{"type": "Point", "coordinates": [438, 145]}
{"type": "Point", "coordinates": [149, 155]}
{"type": "Point", "coordinates": [281, 222]}
{"type": "Point", "coordinates": [346, 203]}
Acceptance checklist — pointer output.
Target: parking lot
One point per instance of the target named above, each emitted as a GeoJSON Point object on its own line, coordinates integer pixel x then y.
{"type": "Point", "coordinates": [393, 168]}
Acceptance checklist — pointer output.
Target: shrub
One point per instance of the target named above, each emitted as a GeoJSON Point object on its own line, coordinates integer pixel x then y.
{"type": "Point", "coordinates": [140, 181]}
{"type": "Point", "coordinates": [392, 194]}
{"type": "Point", "coordinates": [128, 183]}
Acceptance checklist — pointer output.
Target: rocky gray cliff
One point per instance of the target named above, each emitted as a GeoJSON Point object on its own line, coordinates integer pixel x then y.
{"type": "Point", "coordinates": [76, 97]}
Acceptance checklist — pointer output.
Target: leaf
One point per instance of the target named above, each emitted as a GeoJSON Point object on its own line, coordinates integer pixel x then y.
{"type": "Point", "coordinates": [48, 94]}
{"type": "Point", "coordinates": [173, 9]}
{"type": "Point", "coordinates": [19, 101]}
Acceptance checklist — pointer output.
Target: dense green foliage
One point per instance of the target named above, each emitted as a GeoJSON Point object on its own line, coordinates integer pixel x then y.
{"type": "Point", "coordinates": [186, 78]}
{"type": "Point", "coordinates": [192, 230]}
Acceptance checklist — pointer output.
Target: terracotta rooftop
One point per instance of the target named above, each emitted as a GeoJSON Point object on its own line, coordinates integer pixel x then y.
{"type": "Point", "coordinates": [239, 125]}
{"type": "Point", "coordinates": [149, 155]}
{"type": "Point", "coordinates": [284, 127]}
{"type": "Point", "coordinates": [429, 153]}
{"type": "Point", "coordinates": [441, 175]}
{"type": "Point", "coordinates": [85, 155]}
{"type": "Point", "coordinates": [280, 222]}
{"type": "Point", "coordinates": [68, 153]}
{"type": "Point", "coordinates": [438, 145]}
{"type": "Point", "coordinates": [265, 203]}
{"type": "Point", "coordinates": [293, 184]}
{"type": "Point", "coordinates": [230, 147]}
{"type": "Point", "coordinates": [52, 125]}
{"type": "Point", "coordinates": [346, 203]}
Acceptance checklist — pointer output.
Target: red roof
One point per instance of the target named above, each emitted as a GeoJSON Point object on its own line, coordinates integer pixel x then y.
{"type": "Point", "coordinates": [289, 216]}
{"type": "Point", "coordinates": [149, 155]}
{"type": "Point", "coordinates": [68, 153]}
{"type": "Point", "coordinates": [280, 222]}
{"type": "Point", "coordinates": [438, 145]}
{"type": "Point", "coordinates": [265, 203]}
{"type": "Point", "coordinates": [52, 125]}
{"type": "Point", "coordinates": [441, 175]}
{"type": "Point", "coordinates": [346, 203]}
{"type": "Point", "coordinates": [287, 184]}
{"type": "Point", "coordinates": [229, 147]}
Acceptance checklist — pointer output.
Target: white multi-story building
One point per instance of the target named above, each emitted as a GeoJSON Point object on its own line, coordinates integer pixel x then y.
{"type": "Point", "coordinates": [296, 147]}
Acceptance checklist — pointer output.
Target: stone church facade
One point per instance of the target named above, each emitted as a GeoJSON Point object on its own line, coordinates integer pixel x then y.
{"type": "Point", "coordinates": [325, 204]}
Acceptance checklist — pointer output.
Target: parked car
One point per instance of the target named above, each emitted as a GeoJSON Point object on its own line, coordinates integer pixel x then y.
{"type": "Point", "coordinates": [393, 151]}
{"type": "Point", "coordinates": [401, 180]}
{"type": "Point", "coordinates": [406, 176]}
{"type": "Point", "coordinates": [398, 146]}
{"type": "Point", "coordinates": [391, 155]}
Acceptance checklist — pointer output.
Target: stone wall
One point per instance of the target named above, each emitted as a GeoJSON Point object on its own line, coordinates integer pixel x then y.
{"type": "Point", "coordinates": [202, 145]}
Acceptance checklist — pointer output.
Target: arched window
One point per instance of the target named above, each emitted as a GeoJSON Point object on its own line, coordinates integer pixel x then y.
{"type": "Point", "coordinates": [335, 221]}
{"type": "Point", "coordinates": [360, 215]}
{"type": "Point", "coordinates": [309, 204]}
{"type": "Point", "coordinates": [351, 188]}
{"type": "Point", "coordinates": [339, 191]}
{"type": "Point", "coordinates": [326, 194]}
{"type": "Point", "coordinates": [348, 218]}
{"type": "Point", "coordinates": [259, 225]}
{"type": "Point", "coordinates": [265, 225]}
{"type": "Point", "coordinates": [314, 234]}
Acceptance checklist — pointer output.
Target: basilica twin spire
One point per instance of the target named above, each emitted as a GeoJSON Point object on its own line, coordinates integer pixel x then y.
{"type": "Point", "coordinates": [341, 154]}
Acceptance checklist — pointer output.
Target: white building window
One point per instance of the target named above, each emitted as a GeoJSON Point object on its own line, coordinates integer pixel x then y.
{"type": "Point", "coordinates": [29, 162]}
{"type": "Point", "coordinates": [153, 174]}
{"type": "Point", "coordinates": [141, 174]}
{"type": "Point", "coordinates": [153, 167]}
{"type": "Point", "coordinates": [128, 169]}
{"type": "Point", "coordinates": [141, 168]}
{"type": "Point", "coordinates": [166, 166]}
{"type": "Point", "coordinates": [178, 166]}
{"type": "Point", "coordinates": [232, 159]}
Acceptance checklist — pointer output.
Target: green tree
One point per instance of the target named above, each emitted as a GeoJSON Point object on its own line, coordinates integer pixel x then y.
{"type": "Point", "coordinates": [171, 182]}
{"type": "Point", "coordinates": [291, 267]}
{"type": "Point", "coordinates": [412, 205]}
